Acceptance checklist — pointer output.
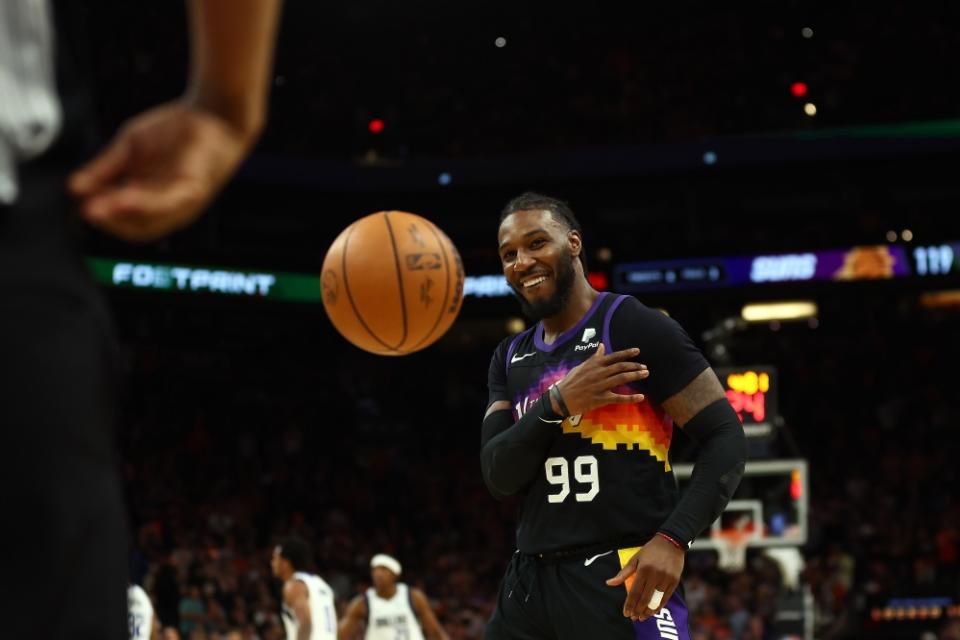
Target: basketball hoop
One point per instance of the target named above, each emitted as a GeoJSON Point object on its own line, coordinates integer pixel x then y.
{"type": "Point", "coordinates": [732, 549]}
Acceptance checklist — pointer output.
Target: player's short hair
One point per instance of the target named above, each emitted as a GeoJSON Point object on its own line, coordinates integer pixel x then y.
{"type": "Point", "coordinates": [560, 210]}
{"type": "Point", "coordinates": [296, 551]}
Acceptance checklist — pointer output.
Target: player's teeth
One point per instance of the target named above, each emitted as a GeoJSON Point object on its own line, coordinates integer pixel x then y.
{"type": "Point", "coordinates": [532, 283]}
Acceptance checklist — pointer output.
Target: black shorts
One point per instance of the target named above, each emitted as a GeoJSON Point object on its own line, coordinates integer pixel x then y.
{"type": "Point", "coordinates": [64, 531]}
{"type": "Point", "coordinates": [570, 600]}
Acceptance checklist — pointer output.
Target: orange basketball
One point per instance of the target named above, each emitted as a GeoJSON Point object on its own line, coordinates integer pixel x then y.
{"type": "Point", "coordinates": [392, 283]}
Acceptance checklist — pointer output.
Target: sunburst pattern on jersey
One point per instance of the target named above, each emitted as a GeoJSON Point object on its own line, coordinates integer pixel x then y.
{"type": "Point", "coordinates": [639, 427]}
{"type": "Point", "coordinates": [550, 375]}
{"type": "Point", "coordinates": [627, 426]}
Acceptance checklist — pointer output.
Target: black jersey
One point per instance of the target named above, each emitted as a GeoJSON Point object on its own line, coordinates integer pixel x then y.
{"type": "Point", "coordinates": [607, 477]}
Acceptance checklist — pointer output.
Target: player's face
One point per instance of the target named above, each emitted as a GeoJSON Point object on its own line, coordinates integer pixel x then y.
{"type": "Point", "coordinates": [536, 253]}
{"type": "Point", "coordinates": [382, 578]}
{"type": "Point", "coordinates": [275, 562]}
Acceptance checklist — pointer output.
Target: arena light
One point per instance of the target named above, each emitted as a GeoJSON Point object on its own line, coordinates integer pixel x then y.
{"type": "Point", "coordinates": [796, 485]}
{"type": "Point", "coordinates": [598, 280]}
{"type": "Point", "coordinates": [770, 311]}
{"type": "Point", "coordinates": [798, 89]}
{"type": "Point", "coordinates": [515, 325]}
{"type": "Point", "coordinates": [940, 299]}
{"type": "Point", "coordinates": [376, 125]}
{"type": "Point", "coordinates": [810, 109]}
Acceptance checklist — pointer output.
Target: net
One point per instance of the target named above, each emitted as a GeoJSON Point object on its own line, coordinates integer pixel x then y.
{"type": "Point", "coordinates": [732, 550]}
{"type": "Point", "coordinates": [732, 547]}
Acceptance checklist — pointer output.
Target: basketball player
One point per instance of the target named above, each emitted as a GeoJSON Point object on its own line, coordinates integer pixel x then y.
{"type": "Point", "coordinates": [143, 621]}
{"type": "Point", "coordinates": [582, 407]}
{"type": "Point", "coordinates": [58, 466]}
{"type": "Point", "coordinates": [390, 609]}
{"type": "Point", "coordinates": [309, 611]}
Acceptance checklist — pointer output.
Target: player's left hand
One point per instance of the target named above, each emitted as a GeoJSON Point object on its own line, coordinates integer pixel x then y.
{"type": "Point", "coordinates": [656, 566]}
{"type": "Point", "coordinates": [159, 172]}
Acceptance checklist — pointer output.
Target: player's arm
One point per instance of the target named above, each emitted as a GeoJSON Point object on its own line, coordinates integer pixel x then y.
{"type": "Point", "coordinates": [699, 407]}
{"type": "Point", "coordinates": [509, 457]}
{"type": "Point", "coordinates": [353, 619]}
{"type": "Point", "coordinates": [428, 620]}
{"type": "Point", "coordinates": [155, 632]}
{"type": "Point", "coordinates": [297, 597]}
{"type": "Point", "coordinates": [511, 453]}
{"type": "Point", "coordinates": [704, 413]}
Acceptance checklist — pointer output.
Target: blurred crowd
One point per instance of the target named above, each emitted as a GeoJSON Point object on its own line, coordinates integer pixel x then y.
{"type": "Point", "coordinates": [868, 398]}
{"type": "Point", "coordinates": [233, 439]}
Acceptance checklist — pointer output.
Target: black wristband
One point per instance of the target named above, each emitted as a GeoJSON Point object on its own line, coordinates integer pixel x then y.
{"type": "Point", "coordinates": [549, 414]}
{"type": "Point", "coordinates": [555, 394]}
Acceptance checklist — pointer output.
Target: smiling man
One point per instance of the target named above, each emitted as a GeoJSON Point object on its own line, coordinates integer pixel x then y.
{"type": "Point", "coordinates": [578, 422]}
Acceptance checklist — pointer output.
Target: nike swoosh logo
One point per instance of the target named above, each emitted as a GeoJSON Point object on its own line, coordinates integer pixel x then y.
{"type": "Point", "coordinates": [589, 561]}
{"type": "Point", "coordinates": [517, 358]}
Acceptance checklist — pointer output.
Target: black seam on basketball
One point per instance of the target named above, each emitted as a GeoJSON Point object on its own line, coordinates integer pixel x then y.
{"type": "Point", "coordinates": [403, 301]}
{"type": "Point", "coordinates": [446, 290]}
{"type": "Point", "coordinates": [346, 287]}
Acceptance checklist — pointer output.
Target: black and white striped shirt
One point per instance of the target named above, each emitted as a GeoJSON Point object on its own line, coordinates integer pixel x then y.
{"type": "Point", "coordinates": [30, 112]}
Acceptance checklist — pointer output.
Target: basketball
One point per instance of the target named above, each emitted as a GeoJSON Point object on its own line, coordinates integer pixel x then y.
{"type": "Point", "coordinates": [392, 283]}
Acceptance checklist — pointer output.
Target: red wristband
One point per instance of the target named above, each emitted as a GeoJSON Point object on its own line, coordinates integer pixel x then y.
{"type": "Point", "coordinates": [671, 540]}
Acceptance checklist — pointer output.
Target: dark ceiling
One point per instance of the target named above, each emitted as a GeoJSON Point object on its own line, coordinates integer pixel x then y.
{"type": "Point", "coordinates": [612, 109]}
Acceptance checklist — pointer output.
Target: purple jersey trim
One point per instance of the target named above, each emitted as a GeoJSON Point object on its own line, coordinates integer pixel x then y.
{"type": "Point", "coordinates": [513, 347]}
{"type": "Point", "coordinates": [569, 333]}
{"type": "Point", "coordinates": [606, 323]}
{"type": "Point", "coordinates": [671, 625]}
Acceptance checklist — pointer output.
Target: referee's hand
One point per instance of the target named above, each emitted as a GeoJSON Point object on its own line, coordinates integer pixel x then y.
{"type": "Point", "coordinates": [655, 567]}
{"type": "Point", "coordinates": [591, 383]}
{"type": "Point", "coordinates": [159, 172]}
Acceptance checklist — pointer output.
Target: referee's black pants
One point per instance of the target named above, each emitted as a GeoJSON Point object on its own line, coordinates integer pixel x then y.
{"type": "Point", "coordinates": [63, 531]}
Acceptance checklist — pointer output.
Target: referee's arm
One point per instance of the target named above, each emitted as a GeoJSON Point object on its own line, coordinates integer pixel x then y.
{"type": "Point", "coordinates": [165, 165]}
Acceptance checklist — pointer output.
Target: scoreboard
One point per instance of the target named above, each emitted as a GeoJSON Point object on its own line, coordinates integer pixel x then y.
{"type": "Point", "coordinates": [752, 392]}
{"type": "Point", "coordinates": [874, 262]}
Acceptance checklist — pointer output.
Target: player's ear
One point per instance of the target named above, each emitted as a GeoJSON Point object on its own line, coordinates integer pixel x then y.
{"type": "Point", "coordinates": [575, 242]}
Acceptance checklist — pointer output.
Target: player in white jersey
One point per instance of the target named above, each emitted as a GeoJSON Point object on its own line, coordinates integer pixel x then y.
{"type": "Point", "coordinates": [390, 610]}
{"type": "Point", "coordinates": [143, 622]}
{"type": "Point", "coordinates": [309, 612]}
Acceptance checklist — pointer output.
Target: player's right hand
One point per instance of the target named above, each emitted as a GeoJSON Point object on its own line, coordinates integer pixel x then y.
{"type": "Point", "coordinates": [590, 384]}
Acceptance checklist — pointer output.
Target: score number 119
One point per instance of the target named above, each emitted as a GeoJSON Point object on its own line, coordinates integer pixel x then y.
{"type": "Point", "coordinates": [933, 261]}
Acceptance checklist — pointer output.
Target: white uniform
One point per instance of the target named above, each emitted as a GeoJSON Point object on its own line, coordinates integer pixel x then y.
{"type": "Point", "coordinates": [140, 613]}
{"type": "Point", "coordinates": [323, 611]}
{"type": "Point", "coordinates": [392, 619]}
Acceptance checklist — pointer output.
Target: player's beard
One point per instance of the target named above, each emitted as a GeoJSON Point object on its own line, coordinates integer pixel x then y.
{"type": "Point", "coordinates": [564, 274]}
